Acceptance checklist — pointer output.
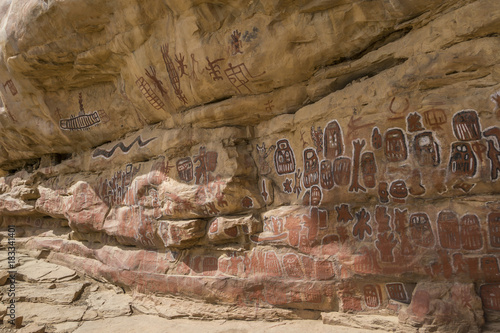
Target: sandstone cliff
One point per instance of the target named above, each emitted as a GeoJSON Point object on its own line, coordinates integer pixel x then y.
{"type": "Point", "coordinates": [313, 155]}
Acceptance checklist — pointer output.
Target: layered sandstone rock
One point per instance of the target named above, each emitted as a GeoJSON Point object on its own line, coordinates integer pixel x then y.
{"type": "Point", "coordinates": [318, 155]}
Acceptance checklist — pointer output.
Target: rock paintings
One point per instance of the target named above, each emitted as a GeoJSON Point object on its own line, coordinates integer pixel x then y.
{"type": "Point", "coordinates": [82, 121]}
{"type": "Point", "coordinates": [426, 150]}
{"type": "Point", "coordinates": [284, 158]}
{"type": "Point", "coordinates": [466, 125]}
{"type": "Point", "coordinates": [395, 145]}
{"type": "Point", "coordinates": [421, 231]}
{"type": "Point", "coordinates": [185, 169]}
{"type": "Point", "coordinates": [311, 168]}
{"type": "Point", "coordinates": [333, 141]}
{"type": "Point", "coordinates": [462, 160]}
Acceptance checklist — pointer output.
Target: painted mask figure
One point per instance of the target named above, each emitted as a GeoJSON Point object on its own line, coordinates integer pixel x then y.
{"type": "Point", "coordinates": [326, 175]}
{"type": "Point", "coordinates": [292, 267]}
{"type": "Point", "coordinates": [368, 169]}
{"type": "Point", "coordinates": [311, 168]}
{"type": "Point", "coordinates": [284, 159]}
{"type": "Point", "coordinates": [426, 150]}
{"type": "Point", "coordinates": [398, 191]}
{"type": "Point", "coordinates": [494, 229]}
{"type": "Point", "coordinates": [466, 125]}
{"type": "Point", "coordinates": [383, 194]}
{"type": "Point", "coordinates": [185, 169]}
{"type": "Point", "coordinates": [435, 118]}
{"type": "Point", "coordinates": [272, 264]}
{"type": "Point", "coordinates": [448, 230]}
{"type": "Point", "coordinates": [490, 295]}
{"type": "Point", "coordinates": [397, 292]}
{"type": "Point", "coordinates": [315, 196]}
{"type": "Point", "coordinates": [470, 232]}
{"type": "Point", "coordinates": [421, 230]}
{"type": "Point", "coordinates": [462, 160]}
{"type": "Point", "coordinates": [210, 265]}
{"type": "Point", "coordinates": [376, 138]}
{"type": "Point", "coordinates": [395, 145]}
{"type": "Point", "coordinates": [342, 171]}
{"type": "Point", "coordinates": [372, 296]}
{"type": "Point", "coordinates": [413, 122]}
{"type": "Point", "coordinates": [333, 141]}
{"type": "Point", "coordinates": [490, 268]}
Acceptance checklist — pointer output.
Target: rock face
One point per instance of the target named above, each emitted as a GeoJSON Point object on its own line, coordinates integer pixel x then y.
{"type": "Point", "coordinates": [318, 155]}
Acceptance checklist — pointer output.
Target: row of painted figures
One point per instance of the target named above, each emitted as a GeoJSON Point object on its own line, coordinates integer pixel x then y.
{"type": "Point", "coordinates": [338, 170]}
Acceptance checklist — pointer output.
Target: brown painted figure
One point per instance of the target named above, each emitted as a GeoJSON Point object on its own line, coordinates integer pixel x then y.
{"type": "Point", "coordinates": [156, 81]}
{"type": "Point", "coordinates": [172, 74]}
{"type": "Point", "coordinates": [247, 202]}
{"type": "Point", "coordinates": [426, 150]}
{"type": "Point", "coordinates": [236, 43]}
{"type": "Point", "coordinates": [291, 264]}
{"type": "Point", "coordinates": [269, 105]}
{"type": "Point", "coordinates": [333, 140]}
{"type": "Point", "coordinates": [287, 186]}
{"type": "Point", "coordinates": [395, 145]}
{"type": "Point", "coordinates": [355, 186]}
{"type": "Point", "coordinates": [361, 226]}
{"type": "Point", "coordinates": [236, 75]}
{"type": "Point", "coordinates": [317, 137]}
{"type": "Point", "coordinates": [448, 230]}
{"type": "Point", "coordinates": [214, 69]}
{"type": "Point", "coordinates": [470, 233]}
{"type": "Point", "coordinates": [344, 215]}
{"type": "Point", "coordinates": [415, 183]}
{"type": "Point", "coordinates": [398, 191]}
{"type": "Point", "coordinates": [435, 118]}
{"type": "Point", "coordinates": [490, 295]}
{"type": "Point", "coordinates": [494, 156]}
{"type": "Point", "coordinates": [489, 265]}
{"type": "Point", "coordinates": [326, 175]}
{"type": "Point", "coordinates": [386, 241]}
{"type": "Point", "coordinates": [311, 168]}
{"type": "Point", "coordinates": [383, 193]}
{"type": "Point", "coordinates": [208, 163]}
{"type": "Point", "coordinates": [150, 95]}
{"type": "Point", "coordinates": [342, 171]}
{"type": "Point", "coordinates": [413, 122]}
{"type": "Point", "coordinates": [368, 169]}
{"type": "Point", "coordinates": [494, 229]}
{"type": "Point", "coordinates": [316, 195]}
{"type": "Point", "coordinates": [185, 169]}
{"type": "Point", "coordinates": [180, 64]}
{"type": "Point", "coordinates": [195, 65]}
{"type": "Point", "coordinates": [210, 266]}
{"type": "Point", "coordinates": [397, 292]}
{"type": "Point", "coordinates": [284, 159]}
{"type": "Point", "coordinates": [272, 264]}
{"type": "Point", "coordinates": [466, 125]}
{"type": "Point", "coordinates": [462, 160]}
{"type": "Point", "coordinates": [421, 230]}
{"type": "Point", "coordinates": [376, 138]}
{"type": "Point", "coordinates": [398, 114]}
{"type": "Point", "coordinates": [400, 224]}
{"type": "Point", "coordinates": [12, 87]}
{"type": "Point", "coordinates": [263, 154]}
{"type": "Point", "coordinates": [297, 188]}
{"type": "Point", "coordinates": [264, 192]}
{"type": "Point", "coordinates": [372, 295]}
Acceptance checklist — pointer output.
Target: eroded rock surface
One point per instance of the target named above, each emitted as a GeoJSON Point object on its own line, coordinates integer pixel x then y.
{"type": "Point", "coordinates": [316, 156]}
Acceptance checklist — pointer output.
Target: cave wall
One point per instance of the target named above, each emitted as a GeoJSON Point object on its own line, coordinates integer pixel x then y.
{"type": "Point", "coordinates": [318, 155]}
